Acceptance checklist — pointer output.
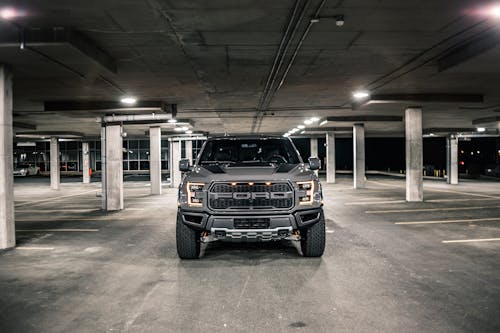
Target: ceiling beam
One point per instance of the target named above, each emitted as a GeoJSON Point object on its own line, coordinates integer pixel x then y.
{"type": "Point", "coordinates": [21, 125]}
{"type": "Point", "coordinates": [362, 119]}
{"type": "Point", "coordinates": [60, 36]}
{"type": "Point", "coordinates": [467, 51]}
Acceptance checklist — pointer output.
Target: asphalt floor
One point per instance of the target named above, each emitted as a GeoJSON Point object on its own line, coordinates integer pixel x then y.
{"type": "Point", "coordinates": [389, 266]}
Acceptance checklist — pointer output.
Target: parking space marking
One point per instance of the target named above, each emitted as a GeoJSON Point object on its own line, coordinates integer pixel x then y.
{"type": "Point", "coordinates": [374, 202]}
{"type": "Point", "coordinates": [57, 230]}
{"type": "Point", "coordinates": [460, 199]}
{"type": "Point", "coordinates": [35, 248]}
{"type": "Point", "coordinates": [471, 240]}
{"type": "Point", "coordinates": [451, 221]}
{"type": "Point", "coordinates": [429, 209]}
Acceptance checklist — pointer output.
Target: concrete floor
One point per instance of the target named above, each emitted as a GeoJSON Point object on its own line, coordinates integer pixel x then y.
{"type": "Point", "coordinates": [77, 270]}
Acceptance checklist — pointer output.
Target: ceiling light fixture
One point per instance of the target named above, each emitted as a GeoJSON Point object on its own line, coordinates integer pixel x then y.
{"type": "Point", "coordinates": [185, 128]}
{"type": "Point", "coordinates": [189, 132]}
{"type": "Point", "coordinates": [360, 94]}
{"type": "Point", "coordinates": [128, 100]}
{"type": "Point", "coordinates": [172, 121]}
{"type": "Point", "coordinates": [301, 127]}
{"type": "Point", "coordinates": [314, 119]}
{"type": "Point", "coordinates": [9, 13]}
{"type": "Point", "coordinates": [178, 129]}
{"type": "Point", "coordinates": [323, 122]}
{"type": "Point", "coordinates": [340, 21]}
{"type": "Point", "coordinates": [308, 122]}
{"type": "Point", "coordinates": [481, 129]}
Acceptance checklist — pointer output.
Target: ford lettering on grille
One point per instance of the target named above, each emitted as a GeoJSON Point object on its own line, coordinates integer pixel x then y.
{"type": "Point", "coordinates": [245, 196]}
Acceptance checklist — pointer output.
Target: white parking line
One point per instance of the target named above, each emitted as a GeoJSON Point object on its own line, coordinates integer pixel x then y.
{"type": "Point", "coordinates": [53, 199]}
{"type": "Point", "coordinates": [461, 199]}
{"type": "Point", "coordinates": [471, 240]}
{"type": "Point", "coordinates": [428, 209]}
{"type": "Point", "coordinates": [34, 248]}
{"type": "Point", "coordinates": [58, 230]}
{"type": "Point", "coordinates": [451, 221]}
{"type": "Point", "coordinates": [374, 202]}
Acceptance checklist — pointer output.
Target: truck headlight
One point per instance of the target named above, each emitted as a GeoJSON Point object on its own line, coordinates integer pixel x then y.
{"type": "Point", "coordinates": [195, 194]}
{"type": "Point", "coordinates": [306, 192]}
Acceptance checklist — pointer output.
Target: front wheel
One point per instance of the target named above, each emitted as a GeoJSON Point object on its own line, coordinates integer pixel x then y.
{"type": "Point", "coordinates": [188, 241]}
{"type": "Point", "coordinates": [313, 240]}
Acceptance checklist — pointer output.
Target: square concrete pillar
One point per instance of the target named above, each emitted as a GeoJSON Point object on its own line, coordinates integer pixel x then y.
{"type": "Point", "coordinates": [314, 150]}
{"type": "Point", "coordinates": [155, 159]}
{"type": "Point", "coordinates": [189, 151]}
{"type": "Point", "coordinates": [55, 165]}
{"type": "Point", "coordinates": [103, 168]}
{"type": "Point", "coordinates": [358, 140]}
{"type": "Point", "coordinates": [175, 157]}
{"type": "Point", "coordinates": [7, 221]}
{"type": "Point", "coordinates": [330, 157]}
{"type": "Point", "coordinates": [114, 167]}
{"type": "Point", "coordinates": [452, 159]}
{"type": "Point", "coordinates": [86, 162]}
{"type": "Point", "coordinates": [414, 155]}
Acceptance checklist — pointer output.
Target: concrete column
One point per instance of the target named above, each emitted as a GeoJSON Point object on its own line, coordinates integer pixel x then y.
{"type": "Point", "coordinates": [155, 159]}
{"type": "Point", "coordinates": [358, 139]}
{"type": "Point", "coordinates": [86, 162]}
{"type": "Point", "coordinates": [175, 156]}
{"type": "Point", "coordinates": [103, 168]}
{"type": "Point", "coordinates": [114, 168]}
{"type": "Point", "coordinates": [55, 165]}
{"type": "Point", "coordinates": [7, 221]}
{"type": "Point", "coordinates": [189, 151]}
{"type": "Point", "coordinates": [330, 157]}
{"type": "Point", "coordinates": [414, 158]}
{"type": "Point", "coordinates": [314, 150]}
{"type": "Point", "coordinates": [452, 160]}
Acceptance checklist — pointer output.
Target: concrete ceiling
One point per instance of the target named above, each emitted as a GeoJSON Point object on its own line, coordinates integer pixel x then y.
{"type": "Point", "coordinates": [213, 59]}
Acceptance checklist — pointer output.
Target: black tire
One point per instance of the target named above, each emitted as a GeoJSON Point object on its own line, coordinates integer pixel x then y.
{"type": "Point", "coordinates": [188, 241]}
{"type": "Point", "coordinates": [313, 240]}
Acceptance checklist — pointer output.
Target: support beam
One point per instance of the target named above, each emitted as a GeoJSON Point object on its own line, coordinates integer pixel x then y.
{"type": "Point", "coordinates": [86, 162]}
{"type": "Point", "coordinates": [314, 150]}
{"type": "Point", "coordinates": [114, 168]}
{"type": "Point", "coordinates": [189, 151]}
{"type": "Point", "coordinates": [155, 159]}
{"type": "Point", "coordinates": [358, 140]}
{"type": "Point", "coordinates": [7, 220]}
{"type": "Point", "coordinates": [452, 159]}
{"type": "Point", "coordinates": [55, 165]}
{"type": "Point", "coordinates": [175, 156]}
{"type": "Point", "coordinates": [330, 157]}
{"type": "Point", "coordinates": [414, 155]}
{"type": "Point", "coordinates": [104, 204]}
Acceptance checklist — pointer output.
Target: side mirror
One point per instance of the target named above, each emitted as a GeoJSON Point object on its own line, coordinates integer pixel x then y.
{"type": "Point", "coordinates": [184, 165]}
{"type": "Point", "coordinates": [314, 163]}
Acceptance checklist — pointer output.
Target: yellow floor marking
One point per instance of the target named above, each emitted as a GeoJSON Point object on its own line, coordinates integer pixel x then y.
{"type": "Point", "coordinates": [53, 199]}
{"type": "Point", "coordinates": [428, 209]}
{"type": "Point", "coordinates": [452, 221]}
{"type": "Point", "coordinates": [33, 248]}
{"type": "Point", "coordinates": [58, 230]}
{"type": "Point", "coordinates": [471, 240]}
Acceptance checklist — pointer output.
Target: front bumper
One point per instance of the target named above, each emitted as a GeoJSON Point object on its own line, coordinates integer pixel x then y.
{"type": "Point", "coordinates": [230, 226]}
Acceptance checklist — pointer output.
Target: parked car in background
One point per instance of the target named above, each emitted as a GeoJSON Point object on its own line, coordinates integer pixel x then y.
{"type": "Point", "coordinates": [24, 170]}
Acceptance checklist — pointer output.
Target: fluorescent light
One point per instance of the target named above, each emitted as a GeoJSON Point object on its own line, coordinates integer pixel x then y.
{"type": "Point", "coordinates": [323, 122]}
{"type": "Point", "coordinates": [172, 121]}
{"type": "Point", "coordinates": [185, 128]}
{"type": "Point", "coordinates": [178, 129]}
{"type": "Point", "coordinates": [189, 132]}
{"type": "Point", "coordinates": [301, 127]}
{"type": "Point", "coordinates": [302, 132]}
{"type": "Point", "coordinates": [481, 129]}
{"type": "Point", "coordinates": [308, 122]}
{"type": "Point", "coordinates": [286, 135]}
{"type": "Point", "coordinates": [128, 100]}
{"type": "Point", "coordinates": [314, 119]}
{"type": "Point", "coordinates": [9, 13]}
{"type": "Point", "coordinates": [360, 94]}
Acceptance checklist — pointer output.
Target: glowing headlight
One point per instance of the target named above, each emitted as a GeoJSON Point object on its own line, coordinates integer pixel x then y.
{"type": "Point", "coordinates": [306, 192]}
{"type": "Point", "coordinates": [195, 194]}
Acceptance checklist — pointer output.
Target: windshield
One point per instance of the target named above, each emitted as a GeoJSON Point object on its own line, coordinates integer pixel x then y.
{"type": "Point", "coordinates": [249, 151]}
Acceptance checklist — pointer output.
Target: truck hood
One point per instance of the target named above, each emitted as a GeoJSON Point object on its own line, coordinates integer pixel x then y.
{"type": "Point", "coordinates": [207, 174]}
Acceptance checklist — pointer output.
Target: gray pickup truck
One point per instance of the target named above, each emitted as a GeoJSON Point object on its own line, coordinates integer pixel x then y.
{"type": "Point", "coordinates": [249, 188]}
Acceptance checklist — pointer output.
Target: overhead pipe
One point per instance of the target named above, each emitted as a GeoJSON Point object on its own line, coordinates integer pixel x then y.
{"type": "Point", "coordinates": [135, 118]}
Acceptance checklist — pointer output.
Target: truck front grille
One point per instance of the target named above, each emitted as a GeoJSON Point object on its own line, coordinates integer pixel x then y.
{"type": "Point", "coordinates": [254, 196]}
